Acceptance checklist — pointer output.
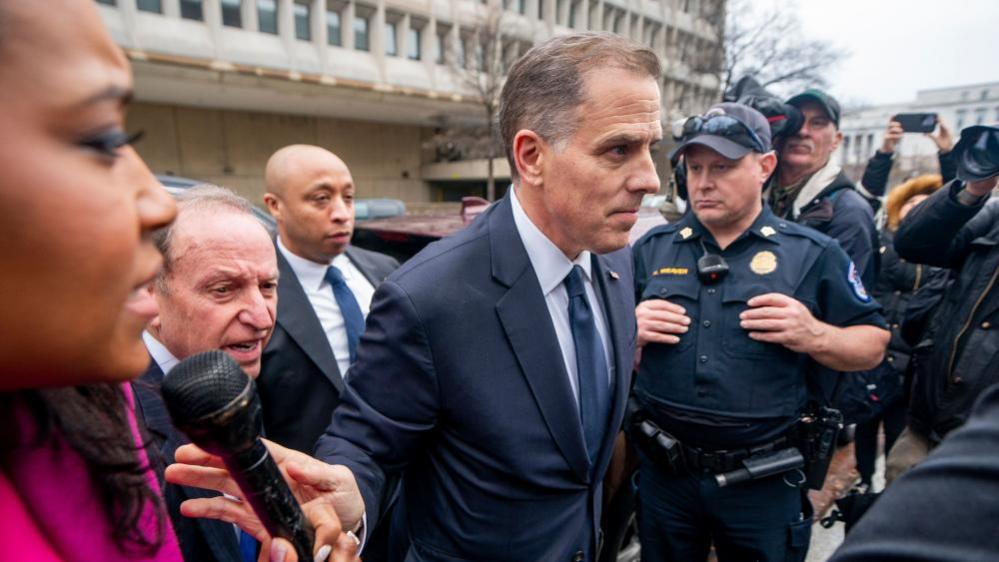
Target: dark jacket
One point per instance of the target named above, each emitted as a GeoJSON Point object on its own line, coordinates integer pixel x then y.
{"type": "Point", "coordinates": [839, 212]}
{"type": "Point", "coordinates": [944, 509]}
{"type": "Point", "coordinates": [960, 355]}
{"type": "Point", "coordinates": [875, 179]}
{"type": "Point", "coordinates": [299, 382]}
{"type": "Point", "coordinates": [898, 282]}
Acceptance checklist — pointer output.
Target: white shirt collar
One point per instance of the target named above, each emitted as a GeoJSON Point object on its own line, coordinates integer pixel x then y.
{"type": "Point", "coordinates": [309, 273]}
{"type": "Point", "coordinates": [550, 264]}
{"type": "Point", "coordinates": [160, 354]}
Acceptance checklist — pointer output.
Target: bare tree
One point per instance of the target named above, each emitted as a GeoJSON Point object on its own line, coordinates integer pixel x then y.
{"type": "Point", "coordinates": [481, 67]}
{"type": "Point", "coordinates": [768, 45]}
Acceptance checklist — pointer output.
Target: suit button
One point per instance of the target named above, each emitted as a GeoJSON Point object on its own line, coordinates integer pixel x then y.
{"type": "Point", "coordinates": [986, 325]}
{"type": "Point", "coordinates": [703, 359]}
{"type": "Point", "coordinates": [711, 291]}
{"type": "Point", "coordinates": [958, 379]}
{"type": "Point", "coordinates": [578, 557]}
{"type": "Point", "coordinates": [707, 323]}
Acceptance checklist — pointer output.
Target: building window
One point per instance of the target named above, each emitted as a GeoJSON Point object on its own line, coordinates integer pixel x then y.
{"type": "Point", "coordinates": [462, 60]}
{"type": "Point", "coordinates": [985, 94]}
{"type": "Point", "coordinates": [149, 6]}
{"type": "Point", "coordinates": [334, 29]}
{"type": "Point", "coordinates": [267, 16]}
{"type": "Point", "coordinates": [107, 2]}
{"type": "Point", "coordinates": [521, 6]}
{"type": "Point", "coordinates": [361, 33]}
{"type": "Point", "coordinates": [231, 14]}
{"type": "Point", "coordinates": [980, 116]}
{"type": "Point", "coordinates": [541, 9]}
{"type": "Point", "coordinates": [390, 46]}
{"type": "Point", "coordinates": [997, 115]}
{"type": "Point", "coordinates": [303, 23]}
{"type": "Point", "coordinates": [960, 118]}
{"type": "Point", "coordinates": [573, 8]}
{"type": "Point", "coordinates": [413, 39]}
{"type": "Point", "coordinates": [191, 10]}
{"type": "Point", "coordinates": [441, 43]}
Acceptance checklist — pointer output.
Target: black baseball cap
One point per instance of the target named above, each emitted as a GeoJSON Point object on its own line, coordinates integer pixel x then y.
{"type": "Point", "coordinates": [751, 133]}
{"type": "Point", "coordinates": [824, 100]}
{"type": "Point", "coordinates": [977, 153]}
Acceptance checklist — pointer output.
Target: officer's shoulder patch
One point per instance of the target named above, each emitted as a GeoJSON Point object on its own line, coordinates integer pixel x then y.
{"type": "Point", "coordinates": [853, 277]}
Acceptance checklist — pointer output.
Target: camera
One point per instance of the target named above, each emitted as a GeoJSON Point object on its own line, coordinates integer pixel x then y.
{"type": "Point", "coordinates": [977, 153]}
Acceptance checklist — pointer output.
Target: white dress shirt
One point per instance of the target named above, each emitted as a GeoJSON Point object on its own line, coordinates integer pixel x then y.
{"type": "Point", "coordinates": [312, 277]}
{"type": "Point", "coordinates": [552, 266]}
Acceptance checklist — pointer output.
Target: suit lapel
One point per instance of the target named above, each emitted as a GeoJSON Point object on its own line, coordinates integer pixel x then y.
{"type": "Point", "coordinates": [533, 340]}
{"type": "Point", "coordinates": [363, 265]}
{"type": "Point", "coordinates": [620, 315]}
{"type": "Point", "coordinates": [296, 316]}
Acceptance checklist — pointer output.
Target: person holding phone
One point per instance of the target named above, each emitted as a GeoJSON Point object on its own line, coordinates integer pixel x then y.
{"type": "Point", "coordinates": [875, 179]}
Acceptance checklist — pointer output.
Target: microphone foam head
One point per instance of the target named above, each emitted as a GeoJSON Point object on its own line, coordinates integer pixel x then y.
{"type": "Point", "coordinates": [203, 384]}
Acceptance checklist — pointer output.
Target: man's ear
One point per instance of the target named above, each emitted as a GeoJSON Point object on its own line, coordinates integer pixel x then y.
{"type": "Point", "coordinates": [767, 162]}
{"type": "Point", "coordinates": [529, 153]}
{"type": "Point", "coordinates": [273, 204]}
{"type": "Point", "coordinates": [837, 140]}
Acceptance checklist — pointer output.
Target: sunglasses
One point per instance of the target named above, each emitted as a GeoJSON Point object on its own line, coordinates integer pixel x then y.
{"type": "Point", "coordinates": [721, 125]}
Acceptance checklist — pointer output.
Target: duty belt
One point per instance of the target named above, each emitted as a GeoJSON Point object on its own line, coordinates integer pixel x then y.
{"type": "Point", "coordinates": [726, 460]}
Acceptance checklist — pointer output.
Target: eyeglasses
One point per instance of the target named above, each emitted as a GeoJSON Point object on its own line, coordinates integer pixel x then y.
{"type": "Point", "coordinates": [718, 124]}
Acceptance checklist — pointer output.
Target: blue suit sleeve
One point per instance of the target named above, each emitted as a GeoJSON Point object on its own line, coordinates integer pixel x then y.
{"type": "Point", "coordinates": [390, 401]}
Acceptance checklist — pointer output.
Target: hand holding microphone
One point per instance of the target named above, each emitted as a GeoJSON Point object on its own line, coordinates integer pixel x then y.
{"type": "Point", "coordinates": [215, 404]}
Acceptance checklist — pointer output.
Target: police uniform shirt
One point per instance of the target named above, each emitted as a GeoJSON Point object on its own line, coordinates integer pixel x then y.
{"type": "Point", "coordinates": [718, 388]}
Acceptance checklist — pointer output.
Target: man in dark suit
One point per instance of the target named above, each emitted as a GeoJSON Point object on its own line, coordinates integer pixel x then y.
{"type": "Point", "coordinates": [217, 290]}
{"type": "Point", "coordinates": [310, 193]}
{"type": "Point", "coordinates": [495, 364]}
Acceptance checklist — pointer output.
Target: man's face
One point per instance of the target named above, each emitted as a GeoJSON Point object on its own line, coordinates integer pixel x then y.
{"type": "Point", "coordinates": [592, 187]}
{"type": "Point", "coordinates": [315, 206]}
{"type": "Point", "coordinates": [725, 193]}
{"type": "Point", "coordinates": [810, 148]}
{"type": "Point", "coordinates": [221, 289]}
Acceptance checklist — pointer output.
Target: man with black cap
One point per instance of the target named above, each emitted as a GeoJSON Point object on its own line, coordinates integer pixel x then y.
{"type": "Point", "coordinates": [810, 188]}
{"type": "Point", "coordinates": [736, 307]}
{"type": "Point", "coordinates": [955, 228]}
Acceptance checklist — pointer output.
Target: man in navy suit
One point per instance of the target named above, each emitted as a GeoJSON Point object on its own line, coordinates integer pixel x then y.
{"type": "Point", "coordinates": [310, 193]}
{"type": "Point", "coordinates": [495, 364]}
{"type": "Point", "coordinates": [217, 290]}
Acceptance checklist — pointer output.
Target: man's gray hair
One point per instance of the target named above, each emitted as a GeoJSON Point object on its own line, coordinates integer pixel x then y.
{"type": "Point", "coordinates": [545, 86]}
{"type": "Point", "coordinates": [203, 197]}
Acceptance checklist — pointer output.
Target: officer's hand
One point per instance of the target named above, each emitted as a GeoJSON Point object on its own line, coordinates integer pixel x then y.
{"type": "Point", "coordinates": [660, 321]}
{"type": "Point", "coordinates": [780, 319]}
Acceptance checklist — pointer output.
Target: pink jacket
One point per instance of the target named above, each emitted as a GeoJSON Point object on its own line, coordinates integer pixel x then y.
{"type": "Point", "coordinates": [50, 511]}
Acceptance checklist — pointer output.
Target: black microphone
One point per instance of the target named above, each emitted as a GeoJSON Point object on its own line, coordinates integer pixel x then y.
{"type": "Point", "coordinates": [215, 404]}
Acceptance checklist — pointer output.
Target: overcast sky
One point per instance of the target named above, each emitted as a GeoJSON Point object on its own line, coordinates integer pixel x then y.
{"type": "Point", "coordinates": [900, 46]}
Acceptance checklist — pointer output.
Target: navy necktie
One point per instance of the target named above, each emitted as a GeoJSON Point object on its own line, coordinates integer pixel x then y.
{"type": "Point", "coordinates": [591, 364]}
{"type": "Point", "coordinates": [353, 319]}
{"type": "Point", "coordinates": [247, 547]}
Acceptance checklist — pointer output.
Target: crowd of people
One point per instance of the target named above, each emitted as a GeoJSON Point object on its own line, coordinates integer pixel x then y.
{"type": "Point", "coordinates": [466, 404]}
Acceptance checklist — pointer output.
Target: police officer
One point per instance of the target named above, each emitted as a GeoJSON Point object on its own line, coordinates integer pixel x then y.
{"type": "Point", "coordinates": [736, 306]}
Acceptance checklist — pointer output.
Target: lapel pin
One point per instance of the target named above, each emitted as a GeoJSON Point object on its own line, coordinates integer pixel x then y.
{"type": "Point", "coordinates": [613, 275]}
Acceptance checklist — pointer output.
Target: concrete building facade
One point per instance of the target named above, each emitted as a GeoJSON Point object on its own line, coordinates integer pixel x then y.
{"type": "Point", "coordinates": [221, 84]}
{"type": "Point", "coordinates": [957, 106]}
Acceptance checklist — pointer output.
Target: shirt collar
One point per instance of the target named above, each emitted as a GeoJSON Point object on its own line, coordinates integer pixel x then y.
{"type": "Point", "coordinates": [160, 354]}
{"type": "Point", "coordinates": [309, 273]}
{"type": "Point", "coordinates": [550, 264]}
{"type": "Point", "coordinates": [764, 227]}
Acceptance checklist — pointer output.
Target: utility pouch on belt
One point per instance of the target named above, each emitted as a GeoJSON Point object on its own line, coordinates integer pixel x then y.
{"type": "Point", "coordinates": [815, 436]}
{"type": "Point", "coordinates": [661, 447]}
